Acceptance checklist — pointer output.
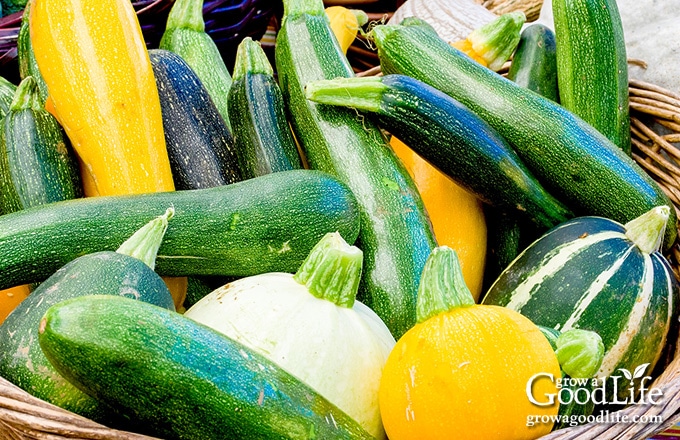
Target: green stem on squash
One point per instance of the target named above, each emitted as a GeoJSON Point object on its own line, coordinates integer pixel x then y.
{"type": "Point", "coordinates": [579, 352]}
{"type": "Point", "coordinates": [187, 14]}
{"type": "Point", "coordinates": [647, 231]}
{"type": "Point", "coordinates": [361, 93]}
{"type": "Point", "coordinates": [332, 270]}
{"type": "Point", "coordinates": [144, 243]}
{"type": "Point", "coordinates": [300, 7]}
{"type": "Point", "coordinates": [26, 96]}
{"type": "Point", "coordinates": [442, 287]}
{"type": "Point", "coordinates": [251, 58]}
{"type": "Point", "coordinates": [495, 42]}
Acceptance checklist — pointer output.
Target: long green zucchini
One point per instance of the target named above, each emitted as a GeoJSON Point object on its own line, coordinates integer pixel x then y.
{"type": "Point", "coordinates": [592, 66]}
{"type": "Point", "coordinates": [28, 66]}
{"type": "Point", "coordinates": [574, 161]}
{"type": "Point", "coordinates": [180, 379]}
{"type": "Point", "coordinates": [450, 137]}
{"type": "Point", "coordinates": [264, 224]}
{"type": "Point", "coordinates": [534, 63]}
{"type": "Point", "coordinates": [396, 236]}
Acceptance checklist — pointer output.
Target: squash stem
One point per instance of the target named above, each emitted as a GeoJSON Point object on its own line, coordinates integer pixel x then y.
{"type": "Point", "coordinates": [187, 14]}
{"type": "Point", "coordinates": [647, 231]}
{"type": "Point", "coordinates": [332, 270]}
{"type": "Point", "coordinates": [362, 93]}
{"type": "Point", "coordinates": [579, 352]}
{"type": "Point", "coordinates": [144, 243]}
{"type": "Point", "coordinates": [300, 7]}
{"type": "Point", "coordinates": [442, 287]}
{"type": "Point", "coordinates": [251, 59]}
{"type": "Point", "coordinates": [26, 96]}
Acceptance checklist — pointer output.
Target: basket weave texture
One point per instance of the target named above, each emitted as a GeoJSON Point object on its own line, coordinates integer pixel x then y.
{"type": "Point", "coordinates": [655, 130]}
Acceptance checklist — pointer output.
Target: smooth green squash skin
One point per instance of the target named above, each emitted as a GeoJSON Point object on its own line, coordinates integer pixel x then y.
{"type": "Point", "coordinates": [23, 363]}
{"type": "Point", "coordinates": [199, 143]}
{"type": "Point", "coordinates": [396, 235]}
{"type": "Point", "coordinates": [575, 162]}
{"type": "Point", "coordinates": [534, 63]}
{"type": "Point", "coordinates": [265, 224]}
{"type": "Point", "coordinates": [587, 274]}
{"type": "Point", "coordinates": [37, 163]}
{"type": "Point", "coordinates": [180, 379]}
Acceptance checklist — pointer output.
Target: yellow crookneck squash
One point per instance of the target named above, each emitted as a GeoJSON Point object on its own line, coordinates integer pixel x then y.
{"type": "Point", "coordinates": [457, 216]}
{"type": "Point", "coordinates": [462, 371]}
{"type": "Point", "coordinates": [93, 58]}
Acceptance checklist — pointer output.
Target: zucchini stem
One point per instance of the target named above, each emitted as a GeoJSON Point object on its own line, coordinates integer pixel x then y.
{"type": "Point", "coordinates": [251, 58]}
{"type": "Point", "coordinates": [647, 231]}
{"type": "Point", "coordinates": [363, 93]}
{"type": "Point", "coordinates": [442, 287]}
{"type": "Point", "coordinates": [332, 270]}
{"type": "Point", "coordinates": [187, 14]}
{"type": "Point", "coordinates": [144, 243]}
{"type": "Point", "coordinates": [26, 96]}
{"type": "Point", "coordinates": [300, 7]}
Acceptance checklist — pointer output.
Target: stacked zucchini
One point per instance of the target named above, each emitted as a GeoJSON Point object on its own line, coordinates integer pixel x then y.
{"type": "Point", "coordinates": [254, 171]}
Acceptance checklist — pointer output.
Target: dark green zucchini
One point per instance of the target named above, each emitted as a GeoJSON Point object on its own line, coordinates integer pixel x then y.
{"type": "Point", "coordinates": [264, 224]}
{"type": "Point", "coordinates": [200, 145]}
{"type": "Point", "coordinates": [37, 163]}
{"type": "Point", "coordinates": [534, 63]}
{"type": "Point", "coordinates": [180, 379]}
{"type": "Point", "coordinates": [396, 236]}
{"type": "Point", "coordinates": [592, 66]}
{"type": "Point", "coordinates": [450, 137]}
{"type": "Point", "coordinates": [7, 90]}
{"type": "Point", "coordinates": [264, 141]}
{"type": "Point", "coordinates": [25, 57]}
{"type": "Point", "coordinates": [575, 162]}
{"type": "Point", "coordinates": [185, 35]}
{"type": "Point", "coordinates": [23, 363]}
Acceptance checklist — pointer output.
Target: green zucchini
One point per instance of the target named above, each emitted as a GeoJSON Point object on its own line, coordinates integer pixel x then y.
{"type": "Point", "coordinates": [592, 66]}
{"type": "Point", "coordinates": [7, 90]}
{"type": "Point", "coordinates": [264, 141]}
{"type": "Point", "coordinates": [200, 146]}
{"type": "Point", "coordinates": [23, 363]}
{"type": "Point", "coordinates": [37, 163]}
{"type": "Point", "coordinates": [265, 224]}
{"type": "Point", "coordinates": [534, 63]}
{"type": "Point", "coordinates": [28, 66]}
{"type": "Point", "coordinates": [575, 162]}
{"type": "Point", "coordinates": [450, 137]}
{"type": "Point", "coordinates": [181, 379]}
{"type": "Point", "coordinates": [185, 35]}
{"type": "Point", "coordinates": [396, 236]}
{"type": "Point", "coordinates": [595, 274]}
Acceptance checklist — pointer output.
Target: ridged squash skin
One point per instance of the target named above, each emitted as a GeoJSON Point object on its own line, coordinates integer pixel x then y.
{"type": "Point", "coordinates": [97, 69]}
{"type": "Point", "coordinates": [587, 274]}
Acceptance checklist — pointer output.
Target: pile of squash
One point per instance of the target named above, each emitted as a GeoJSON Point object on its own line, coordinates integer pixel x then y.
{"type": "Point", "coordinates": [282, 249]}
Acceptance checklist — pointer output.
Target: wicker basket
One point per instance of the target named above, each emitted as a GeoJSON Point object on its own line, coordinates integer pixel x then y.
{"type": "Point", "coordinates": [655, 129]}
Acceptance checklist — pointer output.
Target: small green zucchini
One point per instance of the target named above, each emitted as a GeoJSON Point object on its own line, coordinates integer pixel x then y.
{"type": "Point", "coordinates": [185, 35]}
{"type": "Point", "coordinates": [127, 272]}
{"type": "Point", "coordinates": [200, 146]}
{"type": "Point", "coordinates": [574, 161]}
{"type": "Point", "coordinates": [25, 56]}
{"type": "Point", "coordinates": [450, 137]}
{"type": "Point", "coordinates": [534, 63]}
{"type": "Point", "coordinates": [264, 141]}
{"type": "Point", "coordinates": [265, 224]}
{"type": "Point", "coordinates": [180, 379]}
{"type": "Point", "coordinates": [592, 66]}
{"type": "Point", "coordinates": [37, 163]}
{"type": "Point", "coordinates": [396, 235]}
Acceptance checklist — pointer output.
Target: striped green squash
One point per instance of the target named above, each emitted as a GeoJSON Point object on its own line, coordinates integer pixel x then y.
{"type": "Point", "coordinates": [596, 274]}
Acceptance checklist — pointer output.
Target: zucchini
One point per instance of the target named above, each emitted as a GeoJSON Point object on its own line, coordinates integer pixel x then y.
{"type": "Point", "coordinates": [37, 164]}
{"type": "Point", "coordinates": [25, 56]}
{"type": "Point", "coordinates": [534, 64]}
{"type": "Point", "coordinates": [200, 146]}
{"type": "Point", "coordinates": [396, 236]}
{"type": "Point", "coordinates": [450, 137]}
{"type": "Point", "coordinates": [592, 66]}
{"type": "Point", "coordinates": [7, 90]}
{"type": "Point", "coordinates": [575, 162]}
{"type": "Point", "coordinates": [181, 379]}
{"type": "Point", "coordinates": [595, 274]}
{"type": "Point", "coordinates": [264, 141]}
{"type": "Point", "coordinates": [264, 224]}
{"type": "Point", "coordinates": [23, 363]}
{"type": "Point", "coordinates": [185, 35]}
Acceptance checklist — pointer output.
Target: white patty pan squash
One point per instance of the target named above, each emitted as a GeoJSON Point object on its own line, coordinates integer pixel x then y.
{"type": "Point", "coordinates": [312, 326]}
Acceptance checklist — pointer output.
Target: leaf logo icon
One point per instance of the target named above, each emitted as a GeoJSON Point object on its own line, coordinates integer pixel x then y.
{"type": "Point", "coordinates": [627, 374]}
{"type": "Point", "coordinates": [640, 371]}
